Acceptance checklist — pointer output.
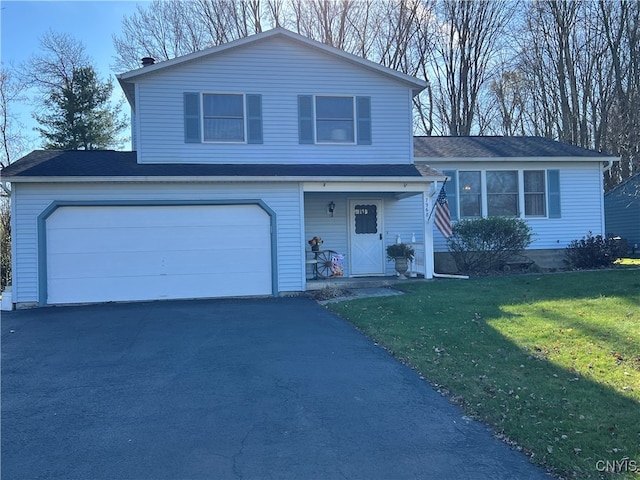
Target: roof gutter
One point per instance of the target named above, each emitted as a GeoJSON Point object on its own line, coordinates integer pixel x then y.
{"type": "Point", "coordinates": [223, 179]}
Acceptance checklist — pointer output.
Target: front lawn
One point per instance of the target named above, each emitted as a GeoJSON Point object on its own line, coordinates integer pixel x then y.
{"type": "Point", "coordinates": [552, 361]}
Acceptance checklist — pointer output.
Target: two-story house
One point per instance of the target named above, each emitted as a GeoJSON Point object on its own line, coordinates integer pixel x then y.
{"type": "Point", "coordinates": [241, 154]}
{"type": "Point", "coordinates": [244, 152]}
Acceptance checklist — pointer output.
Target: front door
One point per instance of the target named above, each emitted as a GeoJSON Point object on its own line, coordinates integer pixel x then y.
{"type": "Point", "coordinates": [365, 230]}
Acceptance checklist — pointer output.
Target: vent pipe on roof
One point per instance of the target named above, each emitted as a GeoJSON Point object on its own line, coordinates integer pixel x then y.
{"type": "Point", "coordinates": [148, 61]}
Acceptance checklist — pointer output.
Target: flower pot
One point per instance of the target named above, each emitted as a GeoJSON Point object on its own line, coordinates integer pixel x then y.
{"type": "Point", "coordinates": [315, 248]}
{"type": "Point", "coordinates": [402, 265]}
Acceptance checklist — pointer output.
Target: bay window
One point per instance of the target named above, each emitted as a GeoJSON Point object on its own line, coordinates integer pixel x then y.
{"type": "Point", "coordinates": [507, 193]}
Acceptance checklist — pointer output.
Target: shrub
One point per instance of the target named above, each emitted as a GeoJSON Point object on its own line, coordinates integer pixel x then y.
{"type": "Point", "coordinates": [593, 252]}
{"type": "Point", "coordinates": [5, 243]}
{"type": "Point", "coordinates": [486, 244]}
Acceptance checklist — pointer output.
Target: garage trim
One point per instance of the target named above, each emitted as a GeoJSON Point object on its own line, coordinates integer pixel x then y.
{"type": "Point", "coordinates": [47, 212]}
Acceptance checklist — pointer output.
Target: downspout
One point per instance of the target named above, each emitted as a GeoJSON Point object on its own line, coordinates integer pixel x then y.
{"type": "Point", "coordinates": [608, 166]}
{"type": "Point", "coordinates": [605, 169]}
{"type": "Point", "coordinates": [435, 191]}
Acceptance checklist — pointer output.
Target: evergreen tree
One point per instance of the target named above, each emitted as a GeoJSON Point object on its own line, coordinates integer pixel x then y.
{"type": "Point", "coordinates": [79, 115]}
{"type": "Point", "coordinates": [74, 107]}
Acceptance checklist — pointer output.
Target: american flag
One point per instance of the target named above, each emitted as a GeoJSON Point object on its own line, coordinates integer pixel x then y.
{"type": "Point", "coordinates": [443, 215]}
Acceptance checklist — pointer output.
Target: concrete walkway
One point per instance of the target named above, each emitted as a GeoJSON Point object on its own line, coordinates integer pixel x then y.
{"type": "Point", "coordinates": [225, 389]}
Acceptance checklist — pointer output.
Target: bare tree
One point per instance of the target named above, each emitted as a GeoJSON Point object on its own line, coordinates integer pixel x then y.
{"type": "Point", "coordinates": [13, 140]}
{"type": "Point", "coordinates": [468, 43]}
{"type": "Point", "coordinates": [621, 25]}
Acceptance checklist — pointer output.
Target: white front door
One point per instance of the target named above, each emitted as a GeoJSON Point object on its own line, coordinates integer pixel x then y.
{"type": "Point", "coordinates": [365, 231]}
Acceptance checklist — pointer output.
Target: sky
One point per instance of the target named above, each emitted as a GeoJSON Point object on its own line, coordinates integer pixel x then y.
{"type": "Point", "coordinates": [23, 23]}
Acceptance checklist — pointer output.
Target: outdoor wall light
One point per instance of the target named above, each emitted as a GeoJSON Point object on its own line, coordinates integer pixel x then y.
{"type": "Point", "coordinates": [330, 208]}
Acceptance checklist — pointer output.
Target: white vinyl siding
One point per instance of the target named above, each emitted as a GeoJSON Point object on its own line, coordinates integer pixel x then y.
{"type": "Point", "coordinates": [581, 199]}
{"type": "Point", "coordinates": [32, 199]}
{"type": "Point", "coordinates": [286, 70]}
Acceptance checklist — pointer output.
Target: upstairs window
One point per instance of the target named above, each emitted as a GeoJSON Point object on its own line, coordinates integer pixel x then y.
{"type": "Point", "coordinates": [223, 117]}
{"type": "Point", "coordinates": [335, 119]}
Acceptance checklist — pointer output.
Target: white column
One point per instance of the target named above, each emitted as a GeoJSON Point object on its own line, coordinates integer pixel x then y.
{"type": "Point", "coordinates": [427, 197]}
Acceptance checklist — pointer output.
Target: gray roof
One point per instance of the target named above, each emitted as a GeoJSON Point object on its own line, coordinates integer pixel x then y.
{"type": "Point", "coordinates": [498, 147]}
{"type": "Point", "coordinates": [109, 163]}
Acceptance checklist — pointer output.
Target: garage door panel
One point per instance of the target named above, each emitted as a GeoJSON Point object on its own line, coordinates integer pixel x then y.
{"type": "Point", "coordinates": [81, 265]}
{"type": "Point", "coordinates": [155, 238]}
{"type": "Point", "coordinates": [206, 255]}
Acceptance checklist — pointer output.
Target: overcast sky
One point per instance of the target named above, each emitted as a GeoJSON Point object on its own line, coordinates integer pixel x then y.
{"type": "Point", "coordinates": [92, 22]}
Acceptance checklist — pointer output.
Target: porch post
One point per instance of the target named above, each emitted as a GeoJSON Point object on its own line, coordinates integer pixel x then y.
{"type": "Point", "coordinates": [428, 232]}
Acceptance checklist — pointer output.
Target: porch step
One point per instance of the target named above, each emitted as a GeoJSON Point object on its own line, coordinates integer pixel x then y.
{"type": "Point", "coordinates": [364, 282]}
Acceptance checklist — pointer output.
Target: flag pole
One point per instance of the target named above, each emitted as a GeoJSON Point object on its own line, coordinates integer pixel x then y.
{"type": "Point", "coordinates": [435, 204]}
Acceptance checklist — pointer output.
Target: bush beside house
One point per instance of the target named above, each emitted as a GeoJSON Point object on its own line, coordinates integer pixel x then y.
{"type": "Point", "coordinates": [487, 244]}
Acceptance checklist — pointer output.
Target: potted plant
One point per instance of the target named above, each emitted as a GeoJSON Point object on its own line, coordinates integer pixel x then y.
{"type": "Point", "coordinates": [315, 243]}
{"type": "Point", "coordinates": [402, 254]}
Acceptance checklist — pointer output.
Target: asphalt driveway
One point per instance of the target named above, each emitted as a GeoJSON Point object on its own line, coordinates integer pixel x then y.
{"type": "Point", "coordinates": [237, 389]}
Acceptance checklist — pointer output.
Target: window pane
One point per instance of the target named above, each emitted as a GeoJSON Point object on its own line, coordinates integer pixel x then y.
{"type": "Point", "coordinates": [223, 105]}
{"type": "Point", "coordinates": [534, 205]}
{"type": "Point", "coordinates": [334, 131]}
{"type": "Point", "coordinates": [334, 108]}
{"type": "Point", "coordinates": [505, 205]}
{"type": "Point", "coordinates": [534, 181]}
{"type": "Point", "coordinates": [366, 219]}
{"type": "Point", "coordinates": [470, 206]}
{"type": "Point", "coordinates": [224, 130]}
{"type": "Point", "coordinates": [470, 194]}
{"type": "Point", "coordinates": [502, 182]}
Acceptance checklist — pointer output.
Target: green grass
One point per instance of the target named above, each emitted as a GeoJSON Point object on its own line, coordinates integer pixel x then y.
{"type": "Point", "coordinates": [552, 361]}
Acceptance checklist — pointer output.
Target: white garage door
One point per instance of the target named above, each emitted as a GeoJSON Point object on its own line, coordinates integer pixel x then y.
{"type": "Point", "coordinates": [119, 253]}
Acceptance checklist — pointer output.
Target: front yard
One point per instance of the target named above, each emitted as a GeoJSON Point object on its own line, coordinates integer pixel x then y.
{"type": "Point", "coordinates": [551, 361]}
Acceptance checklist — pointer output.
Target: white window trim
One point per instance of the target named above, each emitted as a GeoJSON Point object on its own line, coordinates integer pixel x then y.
{"type": "Point", "coordinates": [244, 119]}
{"type": "Point", "coordinates": [484, 213]}
{"type": "Point", "coordinates": [315, 120]}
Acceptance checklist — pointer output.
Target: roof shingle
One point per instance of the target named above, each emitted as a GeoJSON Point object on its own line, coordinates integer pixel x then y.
{"type": "Point", "coordinates": [109, 163]}
{"type": "Point", "coordinates": [494, 147]}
